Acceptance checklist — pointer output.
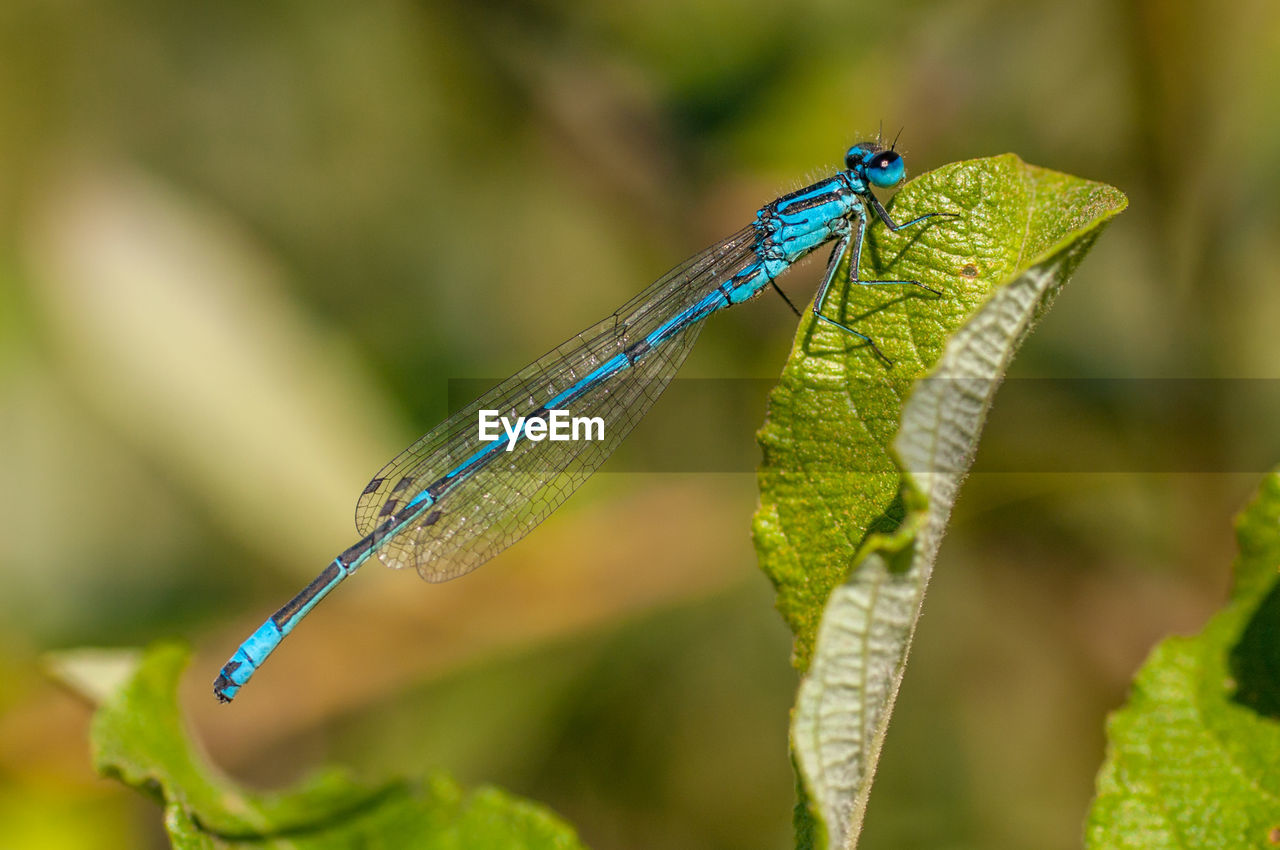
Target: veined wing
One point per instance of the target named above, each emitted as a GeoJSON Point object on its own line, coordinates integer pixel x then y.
{"type": "Point", "coordinates": [489, 509]}
{"type": "Point", "coordinates": [497, 505]}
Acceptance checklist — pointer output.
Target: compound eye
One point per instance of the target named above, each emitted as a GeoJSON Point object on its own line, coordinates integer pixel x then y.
{"type": "Point", "coordinates": [853, 158]}
{"type": "Point", "coordinates": [885, 169]}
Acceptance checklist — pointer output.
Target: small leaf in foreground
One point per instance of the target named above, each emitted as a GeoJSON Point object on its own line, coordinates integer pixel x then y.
{"type": "Point", "coordinates": [1193, 758]}
{"type": "Point", "coordinates": [138, 737]}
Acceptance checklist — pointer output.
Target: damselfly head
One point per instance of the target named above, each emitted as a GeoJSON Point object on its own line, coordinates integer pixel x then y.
{"type": "Point", "coordinates": [880, 167]}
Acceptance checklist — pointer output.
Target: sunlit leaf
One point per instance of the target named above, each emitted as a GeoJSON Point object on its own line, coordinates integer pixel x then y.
{"type": "Point", "coordinates": [138, 737]}
{"type": "Point", "coordinates": [862, 460]}
{"type": "Point", "coordinates": [1193, 759]}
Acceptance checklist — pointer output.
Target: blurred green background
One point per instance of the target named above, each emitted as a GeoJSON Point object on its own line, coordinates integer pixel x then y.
{"type": "Point", "coordinates": [244, 247]}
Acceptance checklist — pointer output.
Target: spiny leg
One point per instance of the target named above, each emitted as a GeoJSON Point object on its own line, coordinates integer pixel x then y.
{"type": "Point", "coordinates": [883, 215]}
{"type": "Point", "coordinates": [837, 254]}
{"type": "Point", "coordinates": [778, 290]}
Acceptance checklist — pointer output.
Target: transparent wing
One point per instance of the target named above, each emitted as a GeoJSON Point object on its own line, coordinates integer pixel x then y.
{"type": "Point", "coordinates": [502, 501]}
{"type": "Point", "coordinates": [505, 500]}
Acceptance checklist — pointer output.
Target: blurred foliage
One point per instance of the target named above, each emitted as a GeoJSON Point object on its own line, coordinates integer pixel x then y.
{"type": "Point", "coordinates": [244, 246]}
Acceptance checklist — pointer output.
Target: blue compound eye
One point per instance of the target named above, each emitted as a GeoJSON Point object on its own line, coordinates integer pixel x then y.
{"type": "Point", "coordinates": [885, 169]}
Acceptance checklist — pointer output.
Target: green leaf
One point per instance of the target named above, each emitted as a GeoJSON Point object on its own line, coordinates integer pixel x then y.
{"type": "Point", "coordinates": [138, 737]}
{"type": "Point", "coordinates": [1193, 759]}
{"type": "Point", "coordinates": [862, 461]}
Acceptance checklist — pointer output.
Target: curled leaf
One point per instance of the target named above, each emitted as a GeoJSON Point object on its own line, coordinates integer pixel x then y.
{"type": "Point", "coordinates": [862, 462]}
